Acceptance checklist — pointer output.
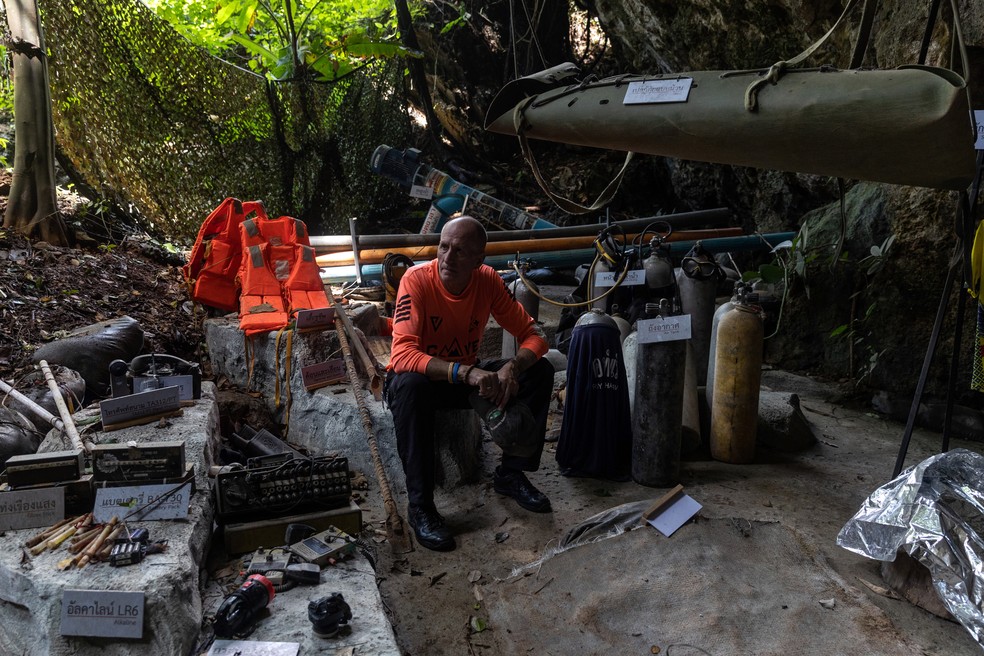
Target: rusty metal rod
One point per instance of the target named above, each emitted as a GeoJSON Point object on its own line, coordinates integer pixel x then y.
{"type": "Point", "coordinates": [369, 363]}
{"type": "Point", "coordinates": [395, 526]}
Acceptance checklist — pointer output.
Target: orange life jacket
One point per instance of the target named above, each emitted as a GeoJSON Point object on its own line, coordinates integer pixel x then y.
{"type": "Point", "coordinates": [217, 254]}
{"type": "Point", "coordinates": [277, 281]}
{"type": "Point", "coordinates": [279, 232]}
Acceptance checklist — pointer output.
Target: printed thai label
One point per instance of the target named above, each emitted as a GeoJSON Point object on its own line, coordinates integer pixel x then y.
{"type": "Point", "coordinates": [102, 613]}
{"type": "Point", "coordinates": [136, 406]}
{"type": "Point", "coordinates": [145, 502]}
{"type": "Point", "coordinates": [658, 91]}
{"type": "Point", "coordinates": [317, 318]}
{"type": "Point", "coordinates": [608, 278]}
{"type": "Point", "coordinates": [31, 508]}
{"type": "Point", "coordinates": [605, 372]}
{"type": "Point", "coordinates": [323, 374]}
{"type": "Point", "coordinates": [663, 329]}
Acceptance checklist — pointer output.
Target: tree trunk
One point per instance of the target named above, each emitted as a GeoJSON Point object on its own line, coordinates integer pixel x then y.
{"type": "Point", "coordinates": [32, 207]}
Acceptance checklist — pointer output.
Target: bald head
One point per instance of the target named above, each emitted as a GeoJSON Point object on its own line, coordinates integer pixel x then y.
{"type": "Point", "coordinates": [460, 251]}
{"type": "Point", "coordinates": [467, 228]}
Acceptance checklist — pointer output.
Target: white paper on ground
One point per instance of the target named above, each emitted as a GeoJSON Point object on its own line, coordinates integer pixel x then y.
{"type": "Point", "coordinates": [676, 515]}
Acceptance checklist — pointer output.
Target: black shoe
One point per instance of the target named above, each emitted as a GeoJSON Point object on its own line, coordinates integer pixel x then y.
{"type": "Point", "coordinates": [429, 528]}
{"type": "Point", "coordinates": [514, 484]}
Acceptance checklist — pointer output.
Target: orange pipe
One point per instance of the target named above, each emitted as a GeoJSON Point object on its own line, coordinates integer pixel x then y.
{"type": "Point", "coordinates": [376, 255]}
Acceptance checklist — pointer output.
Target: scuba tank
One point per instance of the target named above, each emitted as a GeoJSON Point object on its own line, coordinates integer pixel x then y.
{"type": "Point", "coordinates": [624, 327]}
{"type": "Point", "coordinates": [660, 282]}
{"type": "Point", "coordinates": [658, 408]}
{"type": "Point", "coordinates": [715, 321]}
{"type": "Point", "coordinates": [609, 257]}
{"type": "Point", "coordinates": [737, 379]}
{"type": "Point", "coordinates": [524, 291]}
{"type": "Point", "coordinates": [690, 421]}
{"type": "Point", "coordinates": [698, 282]}
{"type": "Point", "coordinates": [595, 435]}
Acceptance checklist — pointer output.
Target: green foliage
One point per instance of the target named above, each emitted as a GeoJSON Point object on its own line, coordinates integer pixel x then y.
{"type": "Point", "coordinates": [289, 39]}
{"type": "Point", "coordinates": [6, 85]}
{"type": "Point", "coordinates": [857, 331]}
{"type": "Point", "coordinates": [873, 263]}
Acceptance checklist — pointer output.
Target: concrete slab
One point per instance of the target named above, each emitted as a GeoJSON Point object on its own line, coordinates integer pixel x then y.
{"type": "Point", "coordinates": [31, 587]}
{"type": "Point", "coordinates": [286, 618]}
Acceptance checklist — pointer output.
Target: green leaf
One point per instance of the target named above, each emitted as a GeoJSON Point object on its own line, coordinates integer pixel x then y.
{"type": "Point", "coordinates": [839, 330]}
{"type": "Point", "coordinates": [771, 273]}
{"type": "Point", "coordinates": [226, 11]}
{"type": "Point", "coordinates": [254, 47]}
{"type": "Point", "coordinates": [750, 276]}
{"type": "Point", "coordinates": [478, 624]}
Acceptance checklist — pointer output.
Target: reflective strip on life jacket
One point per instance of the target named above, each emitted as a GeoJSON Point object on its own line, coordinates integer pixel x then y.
{"type": "Point", "coordinates": [304, 288]}
{"type": "Point", "coordinates": [261, 303]}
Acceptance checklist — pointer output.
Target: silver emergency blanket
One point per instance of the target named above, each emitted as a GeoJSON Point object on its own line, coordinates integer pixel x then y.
{"type": "Point", "coordinates": [935, 513]}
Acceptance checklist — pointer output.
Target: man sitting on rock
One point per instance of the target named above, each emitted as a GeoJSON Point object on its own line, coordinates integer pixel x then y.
{"type": "Point", "coordinates": [442, 308]}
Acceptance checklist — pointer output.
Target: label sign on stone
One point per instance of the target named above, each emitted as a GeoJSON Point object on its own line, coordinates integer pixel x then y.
{"type": "Point", "coordinates": [136, 406]}
{"type": "Point", "coordinates": [31, 508]}
{"type": "Point", "coordinates": [121, 501]}
{"type": "Point", "coordinates": [663, 329]}
{"type": "Point", "coordinates": [323, 373]}
{"type": "Point", "coordinates": [315, 318]}
{"type": "Point", "coordinates": [102, 613]}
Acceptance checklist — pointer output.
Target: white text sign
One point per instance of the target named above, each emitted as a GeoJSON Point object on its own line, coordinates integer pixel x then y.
{"type": "Point", "coordinates": [102, 613]}
{"type": "Point", "coordinates": [663, 329]}
{"type": "Point", "coordinates": [632, 277]}
{"type": "Point", "coordinates": [121, 501]}
{"type": "Point", "coordinates": [658, 91]}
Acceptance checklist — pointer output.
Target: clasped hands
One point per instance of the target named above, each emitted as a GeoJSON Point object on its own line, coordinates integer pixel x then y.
{"type": "Point", "coordinates": [495, 386]}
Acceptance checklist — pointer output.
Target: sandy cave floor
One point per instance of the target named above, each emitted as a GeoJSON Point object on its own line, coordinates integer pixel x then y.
{"type": "Point", "coordinates": [438, 601]}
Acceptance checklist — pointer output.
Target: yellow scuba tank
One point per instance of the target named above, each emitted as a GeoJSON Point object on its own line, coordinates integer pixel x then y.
{"type": "Point", "coordinates": [737, 380]}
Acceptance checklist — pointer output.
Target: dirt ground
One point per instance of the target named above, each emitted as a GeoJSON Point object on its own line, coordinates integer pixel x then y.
{"type": "Point", "coordinates": [495, 594]}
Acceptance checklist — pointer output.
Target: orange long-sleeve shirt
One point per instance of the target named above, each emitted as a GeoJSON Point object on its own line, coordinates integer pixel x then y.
{"type": "Point", "coordinates": [431, 322]}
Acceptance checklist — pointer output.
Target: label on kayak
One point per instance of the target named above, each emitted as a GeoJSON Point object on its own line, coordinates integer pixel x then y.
{"type": "Point", "coordinates": [658, 91]}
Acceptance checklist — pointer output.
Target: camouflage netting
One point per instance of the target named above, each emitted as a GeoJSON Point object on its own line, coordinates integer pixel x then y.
{"type": "Point", "coordinates": [158, 125]}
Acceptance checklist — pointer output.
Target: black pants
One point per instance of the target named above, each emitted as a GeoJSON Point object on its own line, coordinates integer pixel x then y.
{"type": "Point", "coordinates": [413, 399]}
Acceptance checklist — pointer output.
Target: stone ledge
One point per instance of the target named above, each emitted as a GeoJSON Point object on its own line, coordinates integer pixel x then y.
{"type": "Point", "coordinates": [32, 587]}
{"type": "Point", "coordinates": [327, 420]}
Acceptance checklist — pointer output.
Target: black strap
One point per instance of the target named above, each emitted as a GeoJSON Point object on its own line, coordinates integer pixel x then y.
{"type": "Point", "coordinates": [934, 10]}
{"type": "Point", "coordinates": [864, 32]}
